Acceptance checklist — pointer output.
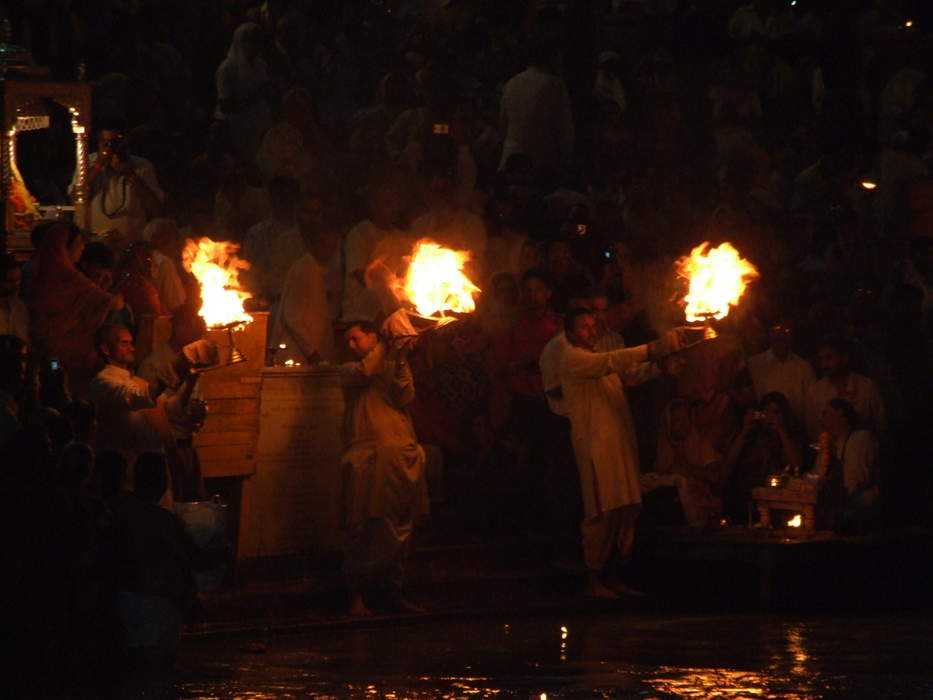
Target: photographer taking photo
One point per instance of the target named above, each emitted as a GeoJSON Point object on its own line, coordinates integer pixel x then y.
{"type": "Point", "coordinates": [123, 192]}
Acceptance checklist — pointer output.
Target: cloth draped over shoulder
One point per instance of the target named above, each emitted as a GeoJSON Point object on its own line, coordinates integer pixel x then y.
{"type": "Point", "coordinates": [66, 309]}
{"type": "Point", "coordinates": [602, 430]}
{"type": "Point", "coordinates": [383, 464]}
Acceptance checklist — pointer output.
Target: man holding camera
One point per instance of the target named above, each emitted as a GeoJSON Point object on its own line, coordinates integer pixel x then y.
{"type": "Point", "coordinates": [123, 192]}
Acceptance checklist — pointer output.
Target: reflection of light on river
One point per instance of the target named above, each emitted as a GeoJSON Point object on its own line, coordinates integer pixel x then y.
{"type": "Point", "coordinates": [797, 649]}
{"type": "Point", "coordinates": [564, 633]}
{"type": "Point", "coordinates": [707, 684]}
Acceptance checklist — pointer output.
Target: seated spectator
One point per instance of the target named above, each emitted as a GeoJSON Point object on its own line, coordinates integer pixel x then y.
{"type": "Point", "coordinates": [780, 369]}
{"type": "Point", "coordinates": [839, 381]}
{"type": "Point", "coordinates": [14, 318]}
{"type": "Point", "coordinates": [687, 461]}
{"type": "Point", "coordinates": [768, 443]}
{"type": "Point", "coordinates": [167, 245]}
{"type": "Point", "coordinates": [154, 559]}
{"type": "Point", "coordinates": [850, 482]}
{"type": "Point", "coordinates": [66, 308]}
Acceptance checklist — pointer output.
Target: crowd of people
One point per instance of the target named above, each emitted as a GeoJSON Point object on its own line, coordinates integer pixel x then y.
{"type": "Point", "coordinates": [576, 151]}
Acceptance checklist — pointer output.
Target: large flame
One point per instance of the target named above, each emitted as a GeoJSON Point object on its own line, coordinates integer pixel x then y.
{"type": "Point", "coordinates": [216, 267]}
{"type": "Point", "coordinates": [435, 281]}
{"type": "Point", "coordinates": [717, 278]}
{"type": "Point", "coordinates": [796, 521]}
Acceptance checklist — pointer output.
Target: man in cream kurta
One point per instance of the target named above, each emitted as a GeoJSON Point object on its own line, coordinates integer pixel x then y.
{"type": "Point", "coordinates": [384, 487]}
{"type": "Point", "coordinates": [604, 442]}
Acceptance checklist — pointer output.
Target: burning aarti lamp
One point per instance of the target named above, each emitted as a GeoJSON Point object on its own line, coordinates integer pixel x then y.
{"type": "Point", "coordinates": [436, 287]}
{"type": "Point", "coordinates": [216, 267]}
{"type": "Point", "coordinates": [717, 280]}
{"type": "Point", "coordinates": [234, 355]}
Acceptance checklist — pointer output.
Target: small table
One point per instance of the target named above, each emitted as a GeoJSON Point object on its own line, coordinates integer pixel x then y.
{"type": "Point", "coordinates": [796, 496]}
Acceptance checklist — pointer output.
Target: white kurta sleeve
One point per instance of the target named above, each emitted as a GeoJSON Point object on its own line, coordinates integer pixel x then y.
{"type": "Point", "coordinates": [583, 364]}
{"type": "Point", "coordinates": [861, 451]}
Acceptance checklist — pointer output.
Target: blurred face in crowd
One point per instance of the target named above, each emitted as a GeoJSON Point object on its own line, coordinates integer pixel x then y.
{"type": "Point", "coordinates": [505, 291]}
{"type": "Point", "coordinates": [106, 140]}
{"type": "Point", "coordinates": [833, 363]}
{"type": "Point", "coordinates": [780, 337]}
{"type": "Point", "coordinates": [584, 332]}
{"type": "Point", "coordinates": [119, 349]}
{"type": "Point", "coordinates": [9, 285]}
{"type": "Point", "coordinates": [529, 257]}
{"type": "Point", "coordinates": [99, 275]}
{"type": "Point", "coordinates": [834, 422]}
{"type": "Point", "coordinates": [773, 417]}
{"type": "Point", "coordinates": [361, 342]}
{"type": "Point", "coordinates": [599, 305]}
{"type": "Point", "coordinates": [537, 294]}
{"type": "Point", "coordinates": [560, 259]}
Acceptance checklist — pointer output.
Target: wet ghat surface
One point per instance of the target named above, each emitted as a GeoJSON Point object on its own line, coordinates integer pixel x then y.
{"type": "Point", "coordinates": [631, 655]}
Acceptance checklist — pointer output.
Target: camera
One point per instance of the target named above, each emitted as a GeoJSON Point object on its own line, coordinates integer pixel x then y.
{"type": "Point", "coordinates": [608, 253]}
{"type": "Point", "coordinates": [117, 148]}
{"type": "Point", "coordinates": [54, 365]}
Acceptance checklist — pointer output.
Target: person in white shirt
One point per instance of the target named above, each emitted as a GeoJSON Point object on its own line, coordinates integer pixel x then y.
{"type": "Point", "coordinates": [780, 369]}
{"type": "Point", "coordinates": [287, 149]}
{"type": "Point", "coordinates": [121, 398]}
{"type": "Point", "coordinates": [14, 317]}
{"type": "Point", "coordinates": [180, 410]}
{"type": "Point", "coordinates": [840, 382]}
{"type": "Point", "coordinates": [535, 116]}
{"type": "Point", "coordinates": [274, 244]}
{"type": "Point", "coordinates": [376, 236]}
{"type": "Point", "coordinates": [167, 245]}
{"type": "Point", "coordinates": [123, 192]}
{"type": "Point", "coordinates": [604, 442]}
{"type": "Point", "coordinates": [302, 320]}
{"type": "Point", "coordinates": [850, 482]}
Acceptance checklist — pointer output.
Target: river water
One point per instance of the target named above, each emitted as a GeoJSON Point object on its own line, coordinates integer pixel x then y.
{"type": "Point", "coordinates": [599, 655]}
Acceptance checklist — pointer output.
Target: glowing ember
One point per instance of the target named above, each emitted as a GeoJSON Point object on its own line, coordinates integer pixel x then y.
{"type": "Point", "coordinates": [435, 281]}
{"type": "Point", "coordinates": [796, 521]}
{"type": "Point", "coordinates": [216, 267]}
{"type": "Point", "coordinates": [717, 277]}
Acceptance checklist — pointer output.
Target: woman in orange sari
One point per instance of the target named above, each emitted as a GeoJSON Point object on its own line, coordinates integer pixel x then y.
{"type": "Point", "coordinates": [66, 307]}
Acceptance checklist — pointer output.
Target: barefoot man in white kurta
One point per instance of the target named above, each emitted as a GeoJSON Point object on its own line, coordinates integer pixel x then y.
{"type": "Point", "coordinates": [384, 488]}
{"type": "Point", "coordinates": [604, 442]}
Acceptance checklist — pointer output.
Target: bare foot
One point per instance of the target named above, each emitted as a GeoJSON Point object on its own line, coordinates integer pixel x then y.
{"type": "Point", "coordinates": [358, 606]}
{"type": "Point", "coordinates": [401, 604]}
{"type": "Point", "coordinates": [626, 590]}
{"type": "Point", "coordinates": [596, 589]}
